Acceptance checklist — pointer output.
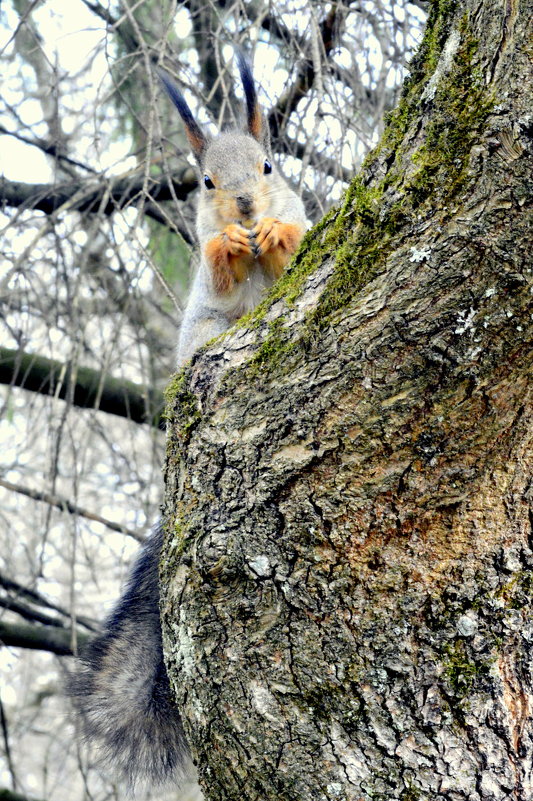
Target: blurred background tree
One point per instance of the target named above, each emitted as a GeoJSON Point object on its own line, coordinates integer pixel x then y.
{"type": "Point", "coordinates": [97, 232]}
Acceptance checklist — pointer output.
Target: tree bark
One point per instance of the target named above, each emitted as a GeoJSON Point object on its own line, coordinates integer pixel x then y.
{"type": "Point", "coordinates": [347, 576]}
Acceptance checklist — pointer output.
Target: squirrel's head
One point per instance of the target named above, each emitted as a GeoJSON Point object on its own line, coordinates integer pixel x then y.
{"type": "Point", "coordinates": [236, 169]}
{"type": "Point", "coordinates": [237, 178]}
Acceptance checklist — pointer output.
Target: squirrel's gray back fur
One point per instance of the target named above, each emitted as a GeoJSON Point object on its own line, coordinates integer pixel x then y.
{"type": "Point", "coordinates": [121, 689]}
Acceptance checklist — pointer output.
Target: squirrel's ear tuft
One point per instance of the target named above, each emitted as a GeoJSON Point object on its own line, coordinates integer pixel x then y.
{"type": "Point", "coordinates": [257, 125]}
{"type": "Point", "coordinates": [197, 139]}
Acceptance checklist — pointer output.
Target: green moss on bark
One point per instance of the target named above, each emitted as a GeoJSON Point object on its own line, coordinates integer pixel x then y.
{"type": "Point", "coordinates": [461, 671]}
{"type": "Point", "coordinates": [182, 405]}
{"type": "Point", "coordinates": [421, 68]}
{"type": "Point", "coordinates": [463, 105]}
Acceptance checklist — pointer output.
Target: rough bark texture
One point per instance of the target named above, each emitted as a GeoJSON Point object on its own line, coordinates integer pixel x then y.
{"type": "Point", "coordinates": [347, 578]}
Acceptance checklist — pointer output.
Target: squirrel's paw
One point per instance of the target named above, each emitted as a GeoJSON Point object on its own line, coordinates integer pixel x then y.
{"type": "Point", "coordinates": [228, 256]}
{"type": "Point", "coordinates": [275, 242]}
{"type": "Point", "coordinates": [266, 235]}
{"type": "Point", "coordinates": [270, 233]}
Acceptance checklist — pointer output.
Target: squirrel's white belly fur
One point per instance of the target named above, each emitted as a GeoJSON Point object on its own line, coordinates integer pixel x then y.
{"type": "Point", "coordinates": [209, 314]}
{"type": "Point", "coordinates": [246, 295]}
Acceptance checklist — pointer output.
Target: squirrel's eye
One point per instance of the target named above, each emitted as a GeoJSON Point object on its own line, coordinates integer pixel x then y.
{"type": "Point", "coordinates": [267, 167]}
{"type": "Point", "coordinates": [208, 182]}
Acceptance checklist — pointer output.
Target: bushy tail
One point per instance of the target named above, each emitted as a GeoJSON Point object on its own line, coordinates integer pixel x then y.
{"type": "Point", "coordinates": [121, 689]}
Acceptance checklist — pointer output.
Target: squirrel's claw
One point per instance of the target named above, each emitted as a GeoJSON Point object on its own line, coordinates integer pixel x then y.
{"type": "Point", "coordinates": [266, 234]}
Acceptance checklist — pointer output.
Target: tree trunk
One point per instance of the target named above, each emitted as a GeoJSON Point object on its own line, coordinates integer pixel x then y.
{"type": "Point", "coordinates": [347, 578]}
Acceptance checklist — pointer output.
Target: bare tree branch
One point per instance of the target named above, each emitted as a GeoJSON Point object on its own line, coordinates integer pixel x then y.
{"type": "Point", "coordinates": [9, 795]}
{"type": "Point", "coordinates": [28, 613]}
{"type": "Point", "coordinates": [92, 389]}
{"type": "Point", "coordinates": [40, 638]}
{"type": "Point", "coordinates": [50, 148]}
{"type": "Point", "coordinates": [305, 77]}
{"type": "Point", "coordinates": [7, 746]}
{"type": "Point", "coordinates": [67, 506]}
{"type": "Point", "coordinates": [130, 42]}
{"type": "Point", "coordinates": [105, 198]}
{"type": "Point", "coordinates": [35, 597]}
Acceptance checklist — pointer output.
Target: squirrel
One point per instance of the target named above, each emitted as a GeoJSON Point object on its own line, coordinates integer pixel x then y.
{"type": "Point", "coordinates": [249, 223]}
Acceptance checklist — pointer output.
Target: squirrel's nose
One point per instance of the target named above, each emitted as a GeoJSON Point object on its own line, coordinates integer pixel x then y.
{"type": "Point", "coordinates": [245, 203]}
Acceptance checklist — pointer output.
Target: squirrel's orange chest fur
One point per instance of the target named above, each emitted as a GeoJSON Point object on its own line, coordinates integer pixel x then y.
{"type": "Point", "coordinates": [226, 266]}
